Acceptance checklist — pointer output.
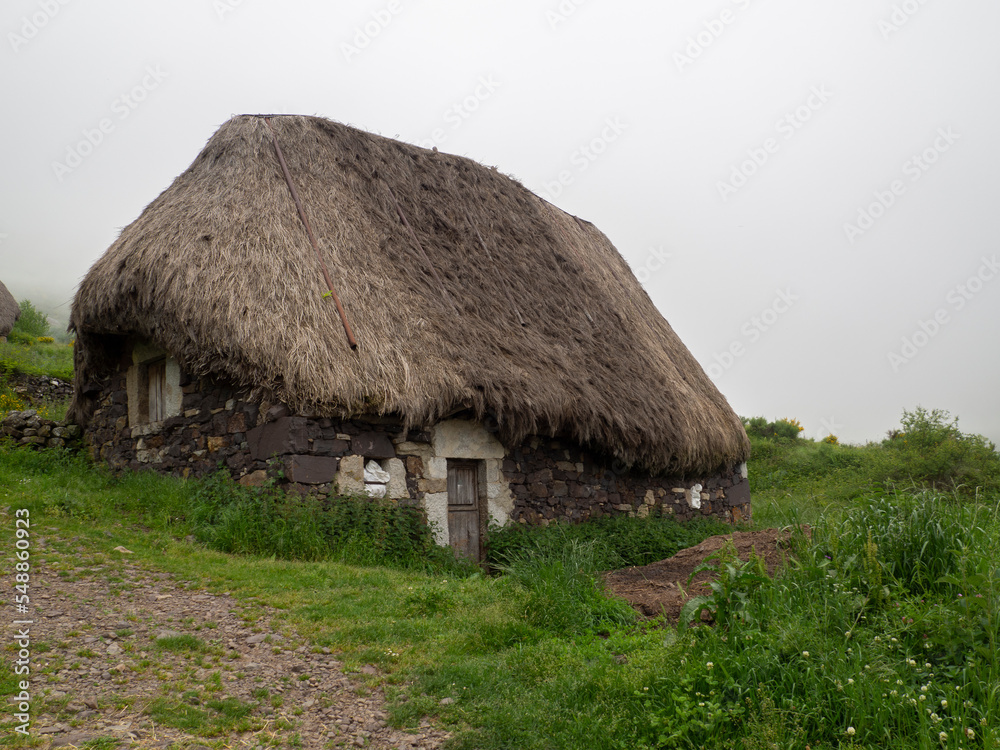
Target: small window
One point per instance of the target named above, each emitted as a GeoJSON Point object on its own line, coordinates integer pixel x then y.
{"type": "Point", "coordinates": [153, 384]}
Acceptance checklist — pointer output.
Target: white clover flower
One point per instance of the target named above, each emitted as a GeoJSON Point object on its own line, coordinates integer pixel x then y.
{"type": "Point", "coordinates": [850, 731]}
{"type": "Point", "coordinates": [943, 736]}
{"type": "Point", "coordinates": [923, 688]}
{"type": "Point", "coordinates": [970, 733]}
{"type": "Point", "coordinates": [944, 704]}
{"type": "Point", "coordinates": [850, 680]}
{"type": "Point", "coordinates": [911, 662]}
{"type": "Point", "coordinates": [927, 665]}
{"type": "Point", "coordinates": [935, 718]}
{"type": "Point", "coordinates": [805, 654]}
{"type": "Point", "coordinates": [847, 634]}
{"type": "Point", "coordinates": [922, 697]}
{"type": "Point", "coordinates": [709, 665]}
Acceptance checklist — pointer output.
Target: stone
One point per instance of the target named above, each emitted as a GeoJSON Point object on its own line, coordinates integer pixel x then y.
{"type": "Point", "coordinates": [436, 468]}
{"type": "Point", "coordinates": [330, 447]}
{"type": "Point", "coordinates": [214, 443]}
{"type": "Point", "coordinates": [375, 473]}
{"type": "Point", "coordinates": [373, 445]}
{"type": "Point", "coordinates": [351, 475]}
{"type": "Point", "coordinates": [414, 466]}
{"type": "Point", "coordinates": [432, 485]}
{"type": "Point", "coordinates": [237, 423]}
{"type": "Point", "coordinates": [311, 469]}
{"type": "Point", "coordinates": [254, 479]}
{"type": "Point", "coordinates": [459, 438]}
{"type": "Point", "coordinates": [285, 435]}
{"type": "Point", "coordinates": [396, 489]}
{"type": "Point", "coordinates": [738, 494]}
{"type": "Point", "coordinates": [436, 508]}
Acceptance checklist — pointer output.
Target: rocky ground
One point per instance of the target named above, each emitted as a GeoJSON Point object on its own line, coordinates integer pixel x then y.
{"type": "Point", "coordinates": [128, 657]}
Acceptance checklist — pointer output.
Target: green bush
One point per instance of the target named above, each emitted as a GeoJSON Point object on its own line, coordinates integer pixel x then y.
{"type": "Point", "coordinates": [787, 429]}
{"type": "Point", "coordinates": [931, 450]}
{"type": "Point", "coordinates": [32, 323]}
{"type": "Point", "coordinates": [355, 530]}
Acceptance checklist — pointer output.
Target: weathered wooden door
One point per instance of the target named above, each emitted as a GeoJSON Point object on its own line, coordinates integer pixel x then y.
{"type": "Point", "coordinates": [157, 375]}
{"type": "Point", "coordinates": [463, 508]}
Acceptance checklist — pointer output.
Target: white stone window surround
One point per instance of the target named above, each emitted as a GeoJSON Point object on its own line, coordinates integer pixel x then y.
{"type": "Point", "coordinates": [145, 354]}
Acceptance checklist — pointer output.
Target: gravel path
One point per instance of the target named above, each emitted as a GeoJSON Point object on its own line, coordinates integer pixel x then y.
{"type": "Point", "coordinates": [130, 654]}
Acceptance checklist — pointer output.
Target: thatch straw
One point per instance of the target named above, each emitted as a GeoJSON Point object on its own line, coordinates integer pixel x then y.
{"type": "Point", "coordinates": [10, 311]}
{"type": "Point", "coordinates": [219, 271]}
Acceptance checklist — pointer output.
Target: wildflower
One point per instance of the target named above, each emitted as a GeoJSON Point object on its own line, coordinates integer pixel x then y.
{"type": "Point", "coordinates": [911, 662]}
{"type": "Point", "coordinates": [935, 718]}
{"type": "Point", "coordinates": [944, 704]}
{"type": "Point", "coordinates": [847, 634]}
{"type": "Point", "coordinates": [709, 665]}
{"type": "Point", "coordinates": [922, 697]}
{"type": "Point", "coordinates": [645, 688]}
{"type": "Point", "coordinates": [850, 680]}
{"type": "Point", "coordinates": [805, 654]}
{"type": "Point", "coordinates": [970, 733]}
{"type": "Point", "coordinates": [923, 688]}
{"type": "Point", "coordinates": [850, 731]}
{"type": "Point", "coordinates": [943, 736]}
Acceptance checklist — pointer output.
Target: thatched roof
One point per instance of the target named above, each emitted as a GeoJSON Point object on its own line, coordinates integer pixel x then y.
{"type": "Point", "coordinates": [219, 271]}
{"type": "Point", "coordinates": [10, 311]}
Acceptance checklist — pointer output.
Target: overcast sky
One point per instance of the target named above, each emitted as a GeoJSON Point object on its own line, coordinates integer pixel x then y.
{"type": "Point", "coordinates": [807, 190]}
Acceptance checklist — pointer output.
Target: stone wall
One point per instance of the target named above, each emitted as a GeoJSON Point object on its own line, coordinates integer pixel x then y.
{"type": "Point", "coordinates": [537, 482]}
{"type": "Point", "coordinates": [556, 479]}
{"type": "Point", "coordinates": [27, 428]}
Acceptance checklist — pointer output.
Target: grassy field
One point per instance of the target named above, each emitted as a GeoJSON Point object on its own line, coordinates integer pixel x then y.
{"type": "Point", "coordinates": [882, 633]}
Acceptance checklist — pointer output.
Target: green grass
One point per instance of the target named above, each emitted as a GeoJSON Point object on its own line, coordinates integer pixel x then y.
{"type": "Point", "coordinates": [53, 359]}
{"type": "Point", "coordinates": [894, 595]}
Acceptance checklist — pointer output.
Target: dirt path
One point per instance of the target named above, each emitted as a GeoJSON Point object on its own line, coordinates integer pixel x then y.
{"type": "Point", "coordinates": [125, 653]}
{"type": "Point", "coordinates": [661, 588]}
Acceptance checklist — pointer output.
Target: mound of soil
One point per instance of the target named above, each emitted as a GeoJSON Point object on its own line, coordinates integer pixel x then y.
{"type": "Point", "coordinates": [661, 588]}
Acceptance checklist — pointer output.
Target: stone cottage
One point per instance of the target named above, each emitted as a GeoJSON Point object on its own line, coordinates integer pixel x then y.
{"type": "Point", "coordinates": [358, 313]}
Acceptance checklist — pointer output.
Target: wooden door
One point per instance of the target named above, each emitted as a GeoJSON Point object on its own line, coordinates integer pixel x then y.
{"type": "Point", "coordinates": [463, 508]}
{"type": "Point", "coordinates": [157, 375]}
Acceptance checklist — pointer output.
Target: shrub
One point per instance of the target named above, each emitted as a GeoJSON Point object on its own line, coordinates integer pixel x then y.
{"type": "Point", "coordinates": [788, 429]}
{"type": "Point", "coordinates": [930, 449]}
{"type": "Point", "coordinates": [356, 530]}
{"type": "Point", "coordinates": [32, 323]}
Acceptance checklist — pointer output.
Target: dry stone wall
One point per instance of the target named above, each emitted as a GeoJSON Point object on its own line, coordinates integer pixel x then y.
{"type": "Point", "coordinates": [27, 428]}
{"type": "Point", "coordinates": [537, 482]}
{"type": "Point", "coordinates": [555, 479]}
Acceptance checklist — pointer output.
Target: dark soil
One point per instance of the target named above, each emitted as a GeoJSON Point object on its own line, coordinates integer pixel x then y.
{"type": "Point", "coordinates": [661, 588]}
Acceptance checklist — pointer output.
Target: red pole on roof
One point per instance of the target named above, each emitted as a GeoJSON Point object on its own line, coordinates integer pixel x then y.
{"type": "Point", "coordinates": [305, 222]}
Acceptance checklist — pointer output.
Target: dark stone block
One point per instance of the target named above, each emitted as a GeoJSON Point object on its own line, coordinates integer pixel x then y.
{"type": "Point", "coordinates": [286, 435]}
{"type": "Point", "coordinates": [738, 494]}
{"type": "Point", "coordinates": [373, 445]}
{"type": "Point", "coordinates": [329, 447]}
{"type": "Point", "coordinates": [540, 476]}
{"type": "Point", "coordinates": [311, 469]}
{"type": "Point", "coordinates": [236, 423]}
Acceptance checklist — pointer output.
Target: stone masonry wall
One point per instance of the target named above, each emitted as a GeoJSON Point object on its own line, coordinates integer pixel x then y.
{"type": "Point", "coordinates": [27, 428]}
{"type": "Point", "coordinates": [555, 479]}
{"type": "Point", "coordinates": [537, 482]}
